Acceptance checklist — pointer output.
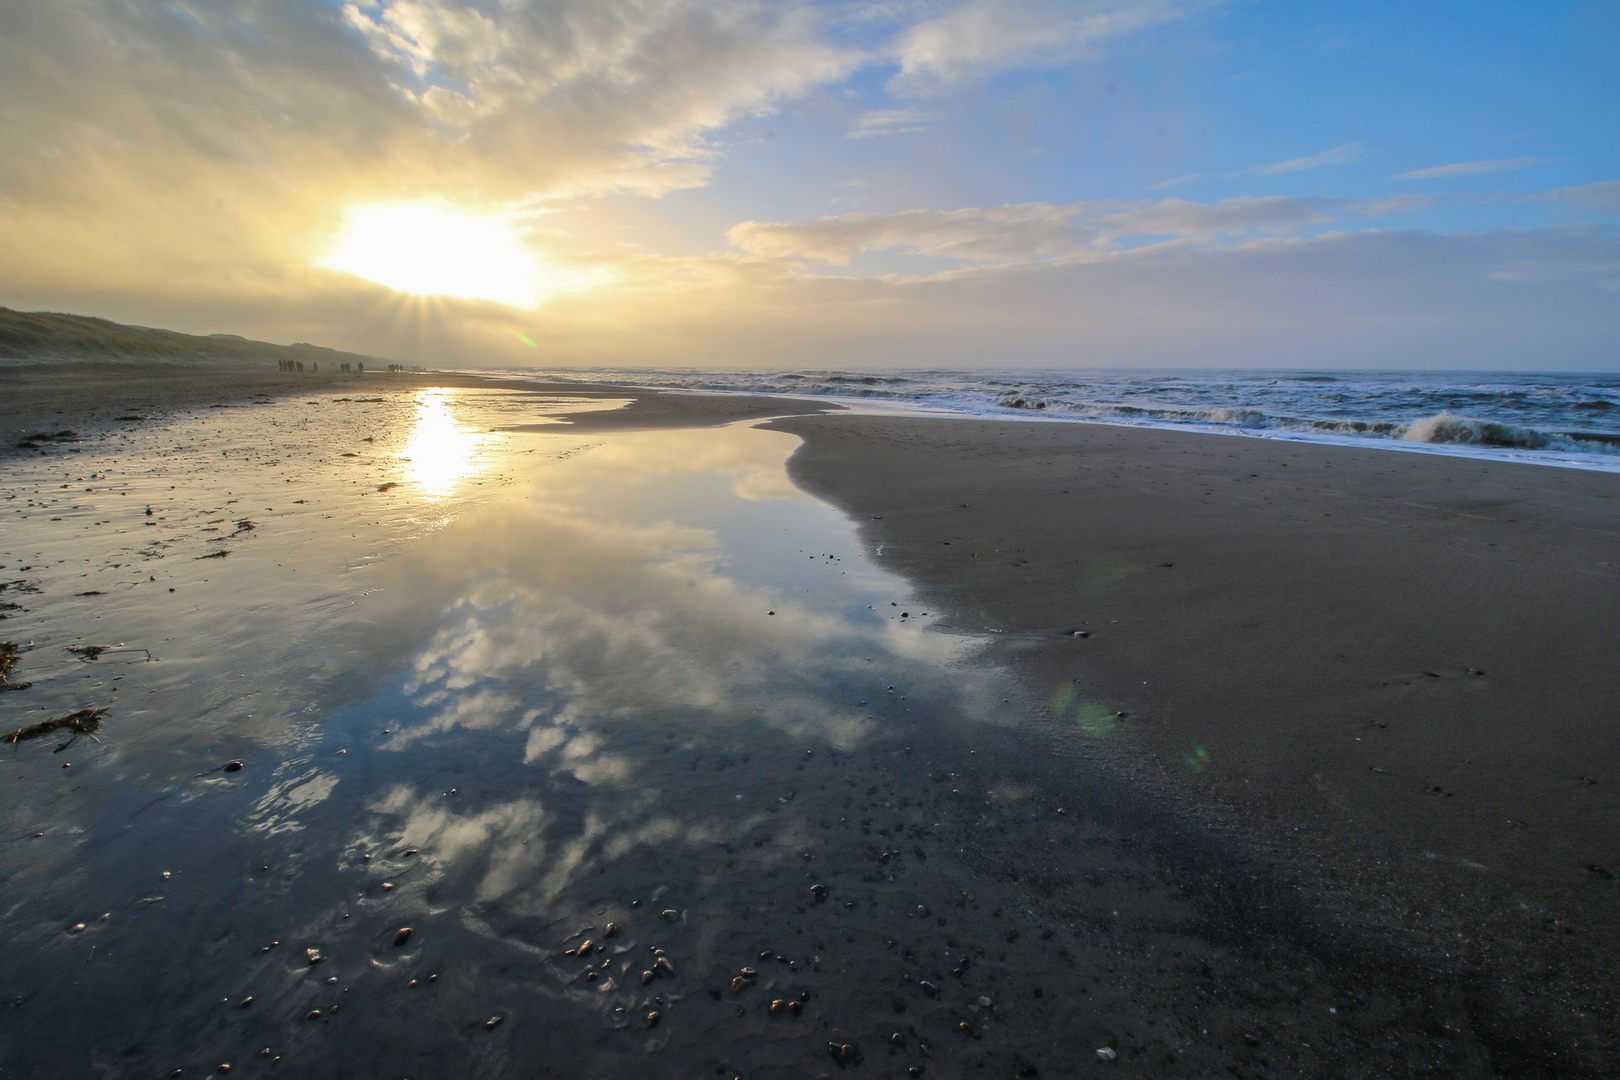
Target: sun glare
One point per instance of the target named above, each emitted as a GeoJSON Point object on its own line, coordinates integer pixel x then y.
{"type": "Point", "coordinates": [435, 250]}
{"type": "Point", "coordinates": [439, 451]}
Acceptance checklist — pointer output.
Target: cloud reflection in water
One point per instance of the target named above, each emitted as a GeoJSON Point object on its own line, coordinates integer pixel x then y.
{"type": "Point", "coordinates": [621, 606]}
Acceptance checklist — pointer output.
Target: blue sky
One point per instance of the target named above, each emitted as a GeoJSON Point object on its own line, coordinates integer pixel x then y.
{"type": "Point", "coordinates": [839, 183]}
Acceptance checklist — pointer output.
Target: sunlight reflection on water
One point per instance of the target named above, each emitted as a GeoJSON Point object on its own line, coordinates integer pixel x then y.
{"type": "Point", "coordinates": [438, 451]}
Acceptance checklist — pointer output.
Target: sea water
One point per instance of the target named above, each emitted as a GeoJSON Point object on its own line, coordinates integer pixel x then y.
{"type": "Point", "coordinates": [1559, 419]}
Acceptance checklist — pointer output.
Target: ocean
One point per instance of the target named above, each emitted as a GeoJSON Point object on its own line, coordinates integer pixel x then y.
{"type": "Point", "coordinates": [1571, 420]}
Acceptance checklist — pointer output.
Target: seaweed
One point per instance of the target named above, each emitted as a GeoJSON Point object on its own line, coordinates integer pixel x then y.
{"type": "Point", "coordinates": [8, 660]}
{"type": "Point", "coordinates": [83, 722]}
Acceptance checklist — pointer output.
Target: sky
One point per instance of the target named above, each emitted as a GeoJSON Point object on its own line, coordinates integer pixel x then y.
{"type": "Point", "coordinates": [827, 184]}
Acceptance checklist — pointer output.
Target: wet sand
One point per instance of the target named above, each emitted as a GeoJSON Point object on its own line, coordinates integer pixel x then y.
{"type": "Point", "coordinates": [1396, 671]}
{"type": "Point", "coordinates": [505, 681]}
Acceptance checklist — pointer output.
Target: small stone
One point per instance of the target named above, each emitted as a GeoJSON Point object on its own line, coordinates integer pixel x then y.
{"type": "Point", "coordinates": [750, 973]}
{"type": "Point", "coordinates": [843, 1053]}
{"type": "Point", "coordinates": [387, 885]}
{"type": "Point", "coordinates": [795, 1008]}
{"type": "Point", "coordinates": [897, 1039]}
{"type": "Point", "coordinates": [646, 977]}
{"type": "Point", "coordinates": [313, 1014]}
{"type": "Point", "coordinates": [777, 1007]}
{"type": "Point", "coordinates": [739, 984]}
{"type": "Point", "coordinates": [965, 1028]}
{"type": "Point", "coordinates": [402, 936]}
{"type": "Point", "coordinates": [586, 947]}
{"type": "Point", "coordinates": [233, 766]}
{"type": "Point", "coordinates": [493, 1022]}
{"type": "Point", "coordinates": [76, 928]}
{"type": "Point", "coordinates": [984, 1003]}
{"type": "Point", "coordinates": [1250, 1039]}
{"type": "Point", "coordinates": [313, 956]}
{"type": "Point", "coordinates": [653, 1018]}
{"type": "Point", "coordinates": [669, 914]}
{"type": "Point", "coordinates": [610, 930]}
{"type": "Point", "coordinates": [819, 892]}
{"type": "Point", "coordinates": [1107, 1053]}
{"type": "Point", "coordinates": [245, 1002]}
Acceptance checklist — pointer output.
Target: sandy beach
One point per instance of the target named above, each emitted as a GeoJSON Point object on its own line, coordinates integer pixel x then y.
{"type": "Point", "coordinates": [532, 740]}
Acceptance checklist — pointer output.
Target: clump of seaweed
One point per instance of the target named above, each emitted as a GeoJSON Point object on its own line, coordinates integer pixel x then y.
{"type": "Point", "coordinates": [83, 722]}
{"type": "Point", "coordinates": [8, 660]}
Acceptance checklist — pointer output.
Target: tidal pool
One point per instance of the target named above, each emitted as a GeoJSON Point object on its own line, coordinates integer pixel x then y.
{"type": "Point", "coordinates": [560, 753]}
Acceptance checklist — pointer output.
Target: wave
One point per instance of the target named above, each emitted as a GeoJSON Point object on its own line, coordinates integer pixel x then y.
{"type": "Point", "coordinates": [1468, 431]}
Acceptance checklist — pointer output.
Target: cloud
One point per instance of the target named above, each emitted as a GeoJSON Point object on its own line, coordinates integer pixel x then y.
{"type": "Point", "coordinates": [986, 36]}
{"type": "Point", "coordinates": [1013, 232]}
{"type": "Point", "coordinates": [1339, 155]}
{"type": "Point", "coordinates": [1244, 214]}
{"type": "Point", "coordinates": [211, 150]}
{"type": "Point", "coordinates": [1024, 232]}
{"type": "Point", "coordinates": [892, 122]}
{"type": "Point", "coordinates": [1603, 195]}
{"type": "Point", "coordinates": [1472, 168]}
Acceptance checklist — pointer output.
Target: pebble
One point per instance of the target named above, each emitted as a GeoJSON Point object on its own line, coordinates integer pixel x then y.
{"type": "Point", "coordinates": [493, 1022]}
{"type": "Point", "coordinates": [313, 1014]}
{"type": "Point", "coordinates": [843, 1053]}
{"type": "Point", "coordinates": [313, 956]}
{"type": "Point", "coordinates": [777, 1007]}
{"type": "Point", "coordinates": [984, 1003]}
{"type": "Point", "coordinates": [795, 1008]}
{"type": "Point", "coordinates": [76, 928]}
{"type": "Point", "coordinates": [233, 766]}
{"type": "Point", "coordinates": [1106, 1053]}
{"type": "Point", "coordinates": [402, 936]}
{"type": "Point", "coordinates": [739, 984]}
{"type": "Point", "coordinates": [965, 1028]}
{"type": "Point", "coordinates": [646, 977]}
{"type": "Point", "coordinates": [245, 1002]}
{"type": "Point", "coordinates": [653, 1018]}
{"type": "Point", "coordinates": [610, 930]}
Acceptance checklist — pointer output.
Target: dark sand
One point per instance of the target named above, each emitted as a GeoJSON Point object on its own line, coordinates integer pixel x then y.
{"type": "Point", "coordinates": [1398, 671]}
{"type": "Point", "coordinates": [1282, 909]}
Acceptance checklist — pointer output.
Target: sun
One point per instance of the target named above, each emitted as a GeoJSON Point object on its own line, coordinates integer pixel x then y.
{"type": "Point", "coordinates": [431, 249]}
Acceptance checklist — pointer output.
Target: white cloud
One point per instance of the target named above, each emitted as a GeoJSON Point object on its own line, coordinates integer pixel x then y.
{"type": "Point", "coordinates": [1339, 155]}
{"type": "Point", "coordinates": [1472, 168]}
{"type": "Point", "coordinates": [1014, 232]}
{"type": "Point", "coordinates": [985, 36]}
{"type": "Point", "coordinates": [1025, 232]}
{"type": "Point", "coordinates": [892, 122]}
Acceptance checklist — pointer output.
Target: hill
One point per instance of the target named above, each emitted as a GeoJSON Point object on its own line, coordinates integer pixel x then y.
{"type": "Point", "coordinates": [36, 336]}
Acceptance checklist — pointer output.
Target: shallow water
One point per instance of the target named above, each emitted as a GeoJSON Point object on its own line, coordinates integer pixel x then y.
{"type": "Point", "coordinates": [547, 682]}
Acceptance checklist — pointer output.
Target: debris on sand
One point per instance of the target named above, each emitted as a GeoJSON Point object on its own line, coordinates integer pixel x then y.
{"type": "Point", "coordinates": [87, 653]}
{"type": "Point", "coordinates": [388, 486]}
{"type": "Point", "coordinates": [8, 659]}
{"type": "Point", "coordinates": [220, 554]}
{"type": "Point", "coordinates": [83, 722]}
